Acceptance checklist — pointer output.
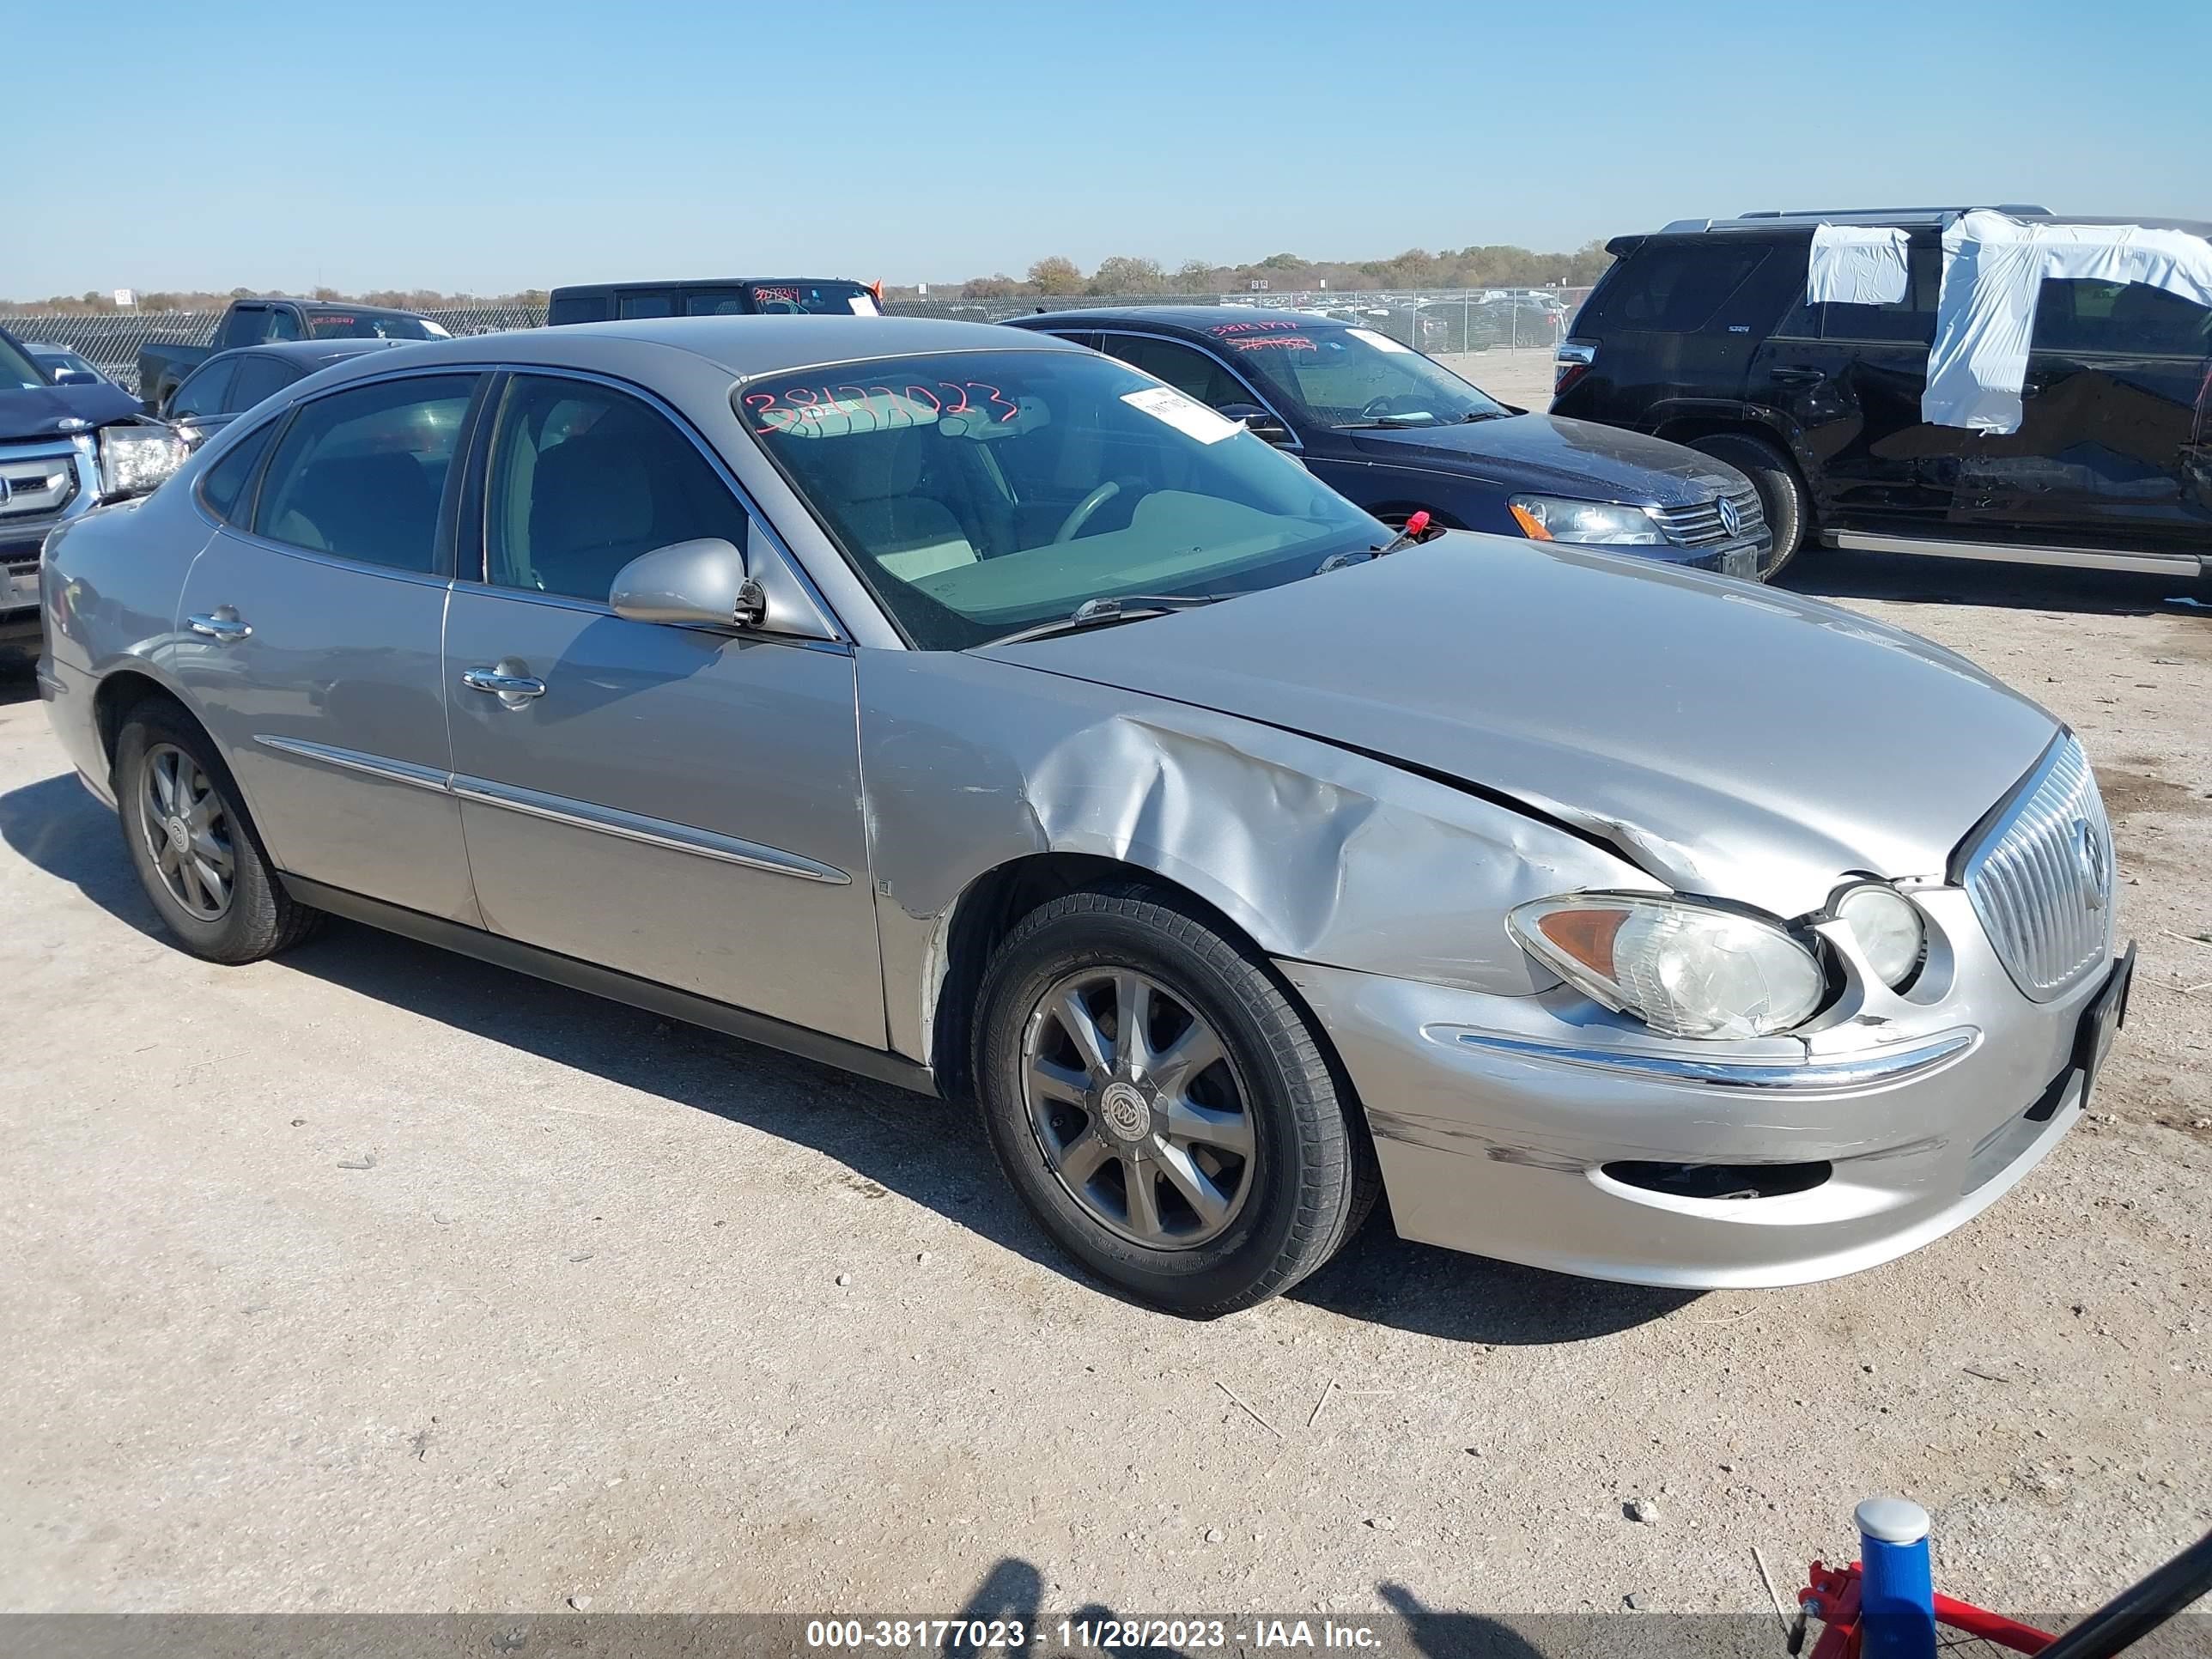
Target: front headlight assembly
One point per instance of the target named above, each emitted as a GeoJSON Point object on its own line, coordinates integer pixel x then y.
{"type": "Point", "coordinates": [134, 460]}
{"type": "Point", "coordinates": [1684, 969]}
{"type": "Point", "coordinates": [1554, 519]}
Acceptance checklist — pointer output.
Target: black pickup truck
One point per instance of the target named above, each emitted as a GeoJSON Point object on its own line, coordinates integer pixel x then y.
{"type": "Point", "coordinates": [162, 366]}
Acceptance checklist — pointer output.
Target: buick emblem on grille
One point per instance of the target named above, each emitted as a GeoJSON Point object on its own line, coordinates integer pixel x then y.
{"type": "Point", "coordinates": [1731, 520]}
{"type": "Point", "coordinates": [2096, 868]}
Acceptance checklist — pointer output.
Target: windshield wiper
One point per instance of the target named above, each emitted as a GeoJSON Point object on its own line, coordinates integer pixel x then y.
{"type": "Point", "coordinates": [1416, 532]}
{"type": "Point", "coordinates": [1106, 610]}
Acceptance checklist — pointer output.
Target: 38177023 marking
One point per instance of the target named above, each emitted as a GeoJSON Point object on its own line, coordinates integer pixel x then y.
{"type": "Point", "coordinates": [1097, 1635]}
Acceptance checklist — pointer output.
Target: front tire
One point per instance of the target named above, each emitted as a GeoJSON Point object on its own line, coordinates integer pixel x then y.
{"type": "Point", "coordinates": [1781, 492]}
{"type": "Point", "coordinates": [1162, 1108]}
{"type": "Point", "coordinates": [196, 854]}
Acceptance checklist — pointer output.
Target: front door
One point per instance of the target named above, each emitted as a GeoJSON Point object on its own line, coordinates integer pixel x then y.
{"type": "Point", "coordinates": [2107, 453]}
{"type": "Point", "coordinates": [309, 641]}
{"type": "Point", "coordinates": [677, 803]}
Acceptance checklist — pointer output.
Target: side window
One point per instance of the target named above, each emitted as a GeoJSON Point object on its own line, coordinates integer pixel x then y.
{"type": "Point", "coordinates": [2124, 319]}
{"type": "Point", "coordinates": [715, 303]}
{"type": "Point", "coordinates": [1185, 369]}
{"type": "Point", "coordinates": [359, 473]}
{"type": "Point", "coordinates": [1911, 320]}
{"type": "Point", "coordinates": [204, 388]}
{"type": "Point", "coordinates": [224, 487]}
{"type": "Point", "coordinates": [282, 325]}
{"type": "Point", "coordinates": [577, 308]}
{"type": "Point", "coordinates": [646, 305]}
{"type": "Point", "coordinates": [583, 480]}
{"type": "Point", "coordinates": [243, 325]}
{"type": "Point", "coordinates": [258, 378]}
{"type": "Point", "coordinates": [1676, 290]}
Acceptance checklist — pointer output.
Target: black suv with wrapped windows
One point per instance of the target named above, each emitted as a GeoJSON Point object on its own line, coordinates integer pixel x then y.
{"type": "Point", "coordinates": [2101, 458]}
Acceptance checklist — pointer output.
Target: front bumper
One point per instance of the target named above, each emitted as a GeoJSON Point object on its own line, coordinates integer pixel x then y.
{"type": "Point", "coordinates": [1491, 1143]}
{"type": "Point", "coordinates": [19, 602]}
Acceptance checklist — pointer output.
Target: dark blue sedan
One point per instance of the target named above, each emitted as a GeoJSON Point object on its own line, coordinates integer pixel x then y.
{"type": "Point", "coordinates": [1399, 434]}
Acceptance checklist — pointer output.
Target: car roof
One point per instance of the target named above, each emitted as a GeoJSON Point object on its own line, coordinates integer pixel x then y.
{"type": "Point", "coordinates": [346, 306]}
{"type": "Point", "coordinates": [1196, 318]}
{"type": "Point", "coordinates": [48, 345]}
{"type": "Point", "coordinates": [697, 282]}
{"type": "Point", "coordinates": [1801, 220]}
{"type": "Point", "coordinates": [311, 353]}
{"type": "Point", "coordinates": [744, 346]}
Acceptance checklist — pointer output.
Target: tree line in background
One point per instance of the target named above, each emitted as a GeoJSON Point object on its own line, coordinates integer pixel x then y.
{"type": "Point", "coordinates": [398, 299]}
{"type": "Point", "coordinates": [1467, 267]}
{"type": "Point", "coordinates": [1499, 266]}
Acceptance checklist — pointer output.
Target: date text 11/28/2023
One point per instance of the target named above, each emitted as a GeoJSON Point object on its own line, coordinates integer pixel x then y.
{"type": "Point", "coordinates": [1104, 1634]}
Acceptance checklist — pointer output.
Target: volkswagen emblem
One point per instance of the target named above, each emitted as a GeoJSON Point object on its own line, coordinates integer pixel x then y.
{"type": "Point", "coordinates": [2090, 853]}
{"type": "Point", "coordinates": [1731, 520]}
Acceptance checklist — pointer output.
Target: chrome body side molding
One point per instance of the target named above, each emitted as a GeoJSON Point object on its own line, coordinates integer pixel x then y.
{"type": "Point", "coordinates": [583, 815]}
{"type": "Point", "coordinates": [2083, 558]}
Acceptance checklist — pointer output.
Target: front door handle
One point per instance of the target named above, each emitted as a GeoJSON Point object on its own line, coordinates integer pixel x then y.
{"type": "Point", "coordinates": [507, 681]}
{"type": "Point", "coordinates": [222, 624]}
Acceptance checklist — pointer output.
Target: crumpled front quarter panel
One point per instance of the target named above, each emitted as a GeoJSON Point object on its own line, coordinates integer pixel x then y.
{"type": "Point", "coordinates": [1318, 853]}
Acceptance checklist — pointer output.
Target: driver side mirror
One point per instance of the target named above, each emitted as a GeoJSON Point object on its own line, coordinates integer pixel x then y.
{"type": "Point", "coordinates": [699, 584]}
{"type": "Point", "coordinates": [1258, 421]}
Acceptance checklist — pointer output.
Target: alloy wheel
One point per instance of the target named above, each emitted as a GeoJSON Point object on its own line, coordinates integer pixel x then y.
{"type": "Point", "coordinates": [186, 831]}
{"type": "Point", "coordinates": [1137, 1109]}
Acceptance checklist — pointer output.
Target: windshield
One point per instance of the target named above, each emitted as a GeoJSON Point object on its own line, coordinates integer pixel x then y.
{"type": "Point", "coordinates": [981, 492]}
{"type": "Point", "coordinates": [1351, 377]}
{"type": "Point", "coordinates": [369, 325]}
{"type": "Point", "coordinates": [17, 372]}
{"type": "Point", "coordinates": [815, 299]}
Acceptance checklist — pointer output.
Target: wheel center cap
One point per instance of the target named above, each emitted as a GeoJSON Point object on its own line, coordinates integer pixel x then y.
{"type": "Point", "coordinates": [1127, 1114]}
{"type": "Point", "coordinates": [181, 838]}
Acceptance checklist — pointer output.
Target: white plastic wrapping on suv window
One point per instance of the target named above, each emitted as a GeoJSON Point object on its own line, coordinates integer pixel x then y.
{"type": "Point", "coordinates": [1856, 265]}
{"type": "Point", "coordinates": [1994, 269]}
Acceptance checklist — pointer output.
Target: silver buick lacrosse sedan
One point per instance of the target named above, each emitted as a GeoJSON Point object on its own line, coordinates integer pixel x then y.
{"type": "Point", "coordinates": [969, 710]}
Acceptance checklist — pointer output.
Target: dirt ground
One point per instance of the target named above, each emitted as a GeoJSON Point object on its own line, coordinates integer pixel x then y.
{"type": "Point", "coordinates": [372, 1279]}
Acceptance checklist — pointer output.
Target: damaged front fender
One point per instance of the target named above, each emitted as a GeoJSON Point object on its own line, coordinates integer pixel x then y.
{"type": "Point", "coordinates": [1318, 853]}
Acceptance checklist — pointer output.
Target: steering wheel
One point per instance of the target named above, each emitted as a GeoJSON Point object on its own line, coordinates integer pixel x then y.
{"type": "Point", "coordinates": [1378, 407]}
{"type": "Point", "coordinates": [1079, 514]}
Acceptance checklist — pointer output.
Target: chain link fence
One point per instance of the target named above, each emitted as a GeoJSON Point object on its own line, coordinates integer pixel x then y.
{"type": "Point", "coordinates": [1434, 321]}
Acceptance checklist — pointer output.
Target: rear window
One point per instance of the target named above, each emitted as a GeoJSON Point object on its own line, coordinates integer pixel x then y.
{"type": "Point", "coordinates": [1673, 290]}
{"type": "Point", "coordinates": [367, 325]}
{"type": "Point", "coordinates": [815, 299]}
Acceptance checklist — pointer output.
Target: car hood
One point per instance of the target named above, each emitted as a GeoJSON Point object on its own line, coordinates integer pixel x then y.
{"type": "Point", "coordinates": [47, 411]}
{"type": "Point", "coordinates": [1730, 740]}
{"type": "Point", "coordinates": [1544, 452]}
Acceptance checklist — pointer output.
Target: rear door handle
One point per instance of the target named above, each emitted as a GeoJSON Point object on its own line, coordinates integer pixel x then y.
{"type": "Point", "coordinates": [1795, 376]}
{"type": "Point", "coordinates": [220, 624]}
{"type": "Point", "coordinates": [510, 687]}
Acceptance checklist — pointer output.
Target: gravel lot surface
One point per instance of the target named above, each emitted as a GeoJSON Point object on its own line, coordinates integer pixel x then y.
{"type": "Point", "coordinates": [372, 1279]}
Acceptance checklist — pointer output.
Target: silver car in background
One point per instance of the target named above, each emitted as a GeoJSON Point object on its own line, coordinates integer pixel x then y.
{"type": "Point", "coordinates": [971, 710]}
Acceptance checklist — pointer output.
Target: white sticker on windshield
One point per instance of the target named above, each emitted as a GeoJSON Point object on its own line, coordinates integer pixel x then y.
{"type": "Point", "coordinates": [863, 306]}
{"type": "Point", "coordinates": [1380, 342]}
{"type": "Point", "coordinates": [1186, 414]}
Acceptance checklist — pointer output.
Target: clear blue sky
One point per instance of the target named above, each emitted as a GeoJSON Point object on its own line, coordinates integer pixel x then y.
{"type": "Point", "coordinates": [464, 146]}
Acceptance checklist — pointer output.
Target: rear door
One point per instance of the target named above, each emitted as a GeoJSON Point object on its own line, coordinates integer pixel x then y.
{"type": "Point", "coordinates": [2110, 451]}
{"type": "Point", "coordinates": [1842, 384]}
{"type": "Point", "coordinates": [310, 631]}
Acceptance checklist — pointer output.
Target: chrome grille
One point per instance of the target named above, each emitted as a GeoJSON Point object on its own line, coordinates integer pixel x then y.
{"type": "Point", "coordinates": [1700, 525]}
{"type": "Point", "coordinates": [36, 485]}
{"type": "Point", "coordinates": [2041, 877]}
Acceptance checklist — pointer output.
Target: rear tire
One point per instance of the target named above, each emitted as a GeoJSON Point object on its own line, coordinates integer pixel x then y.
{"type": "Point", "coordinates": [1103, 1152]}
{"type": "Point", "coordinates": [1781, 492]}
{"type": "Point", "coordinates": [196, 853]}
